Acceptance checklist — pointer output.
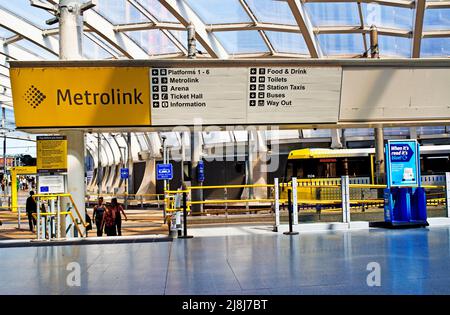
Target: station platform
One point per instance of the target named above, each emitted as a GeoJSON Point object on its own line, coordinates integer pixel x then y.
{"type": "Point", "coordinates": [411, 261]}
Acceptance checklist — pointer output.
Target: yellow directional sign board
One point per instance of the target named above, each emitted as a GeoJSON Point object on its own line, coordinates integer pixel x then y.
{"type": "Point", "coordinates": [51, 154]}
{"type": "Point", "coordinates": [81, 97]}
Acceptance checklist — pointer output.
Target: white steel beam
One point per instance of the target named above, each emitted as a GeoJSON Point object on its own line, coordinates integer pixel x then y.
{"type": "Point", "coordinates": [418, 28]}
{"type": "Point", "coordinates": [186, 16]}
{"type": "Point", "coordinates": [305, 27]}
{"type": "Point", "coordinates": [17, 53]}
{"type": "Point", "coordinates": [438, 5]}
{"type": "Point", "coordinates": [28, 31]}
{"type": "Point", "coordinates": [436, 34]}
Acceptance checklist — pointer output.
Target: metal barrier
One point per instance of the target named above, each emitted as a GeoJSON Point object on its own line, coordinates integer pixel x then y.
{"type": "Point", "coordinates": [130, 199]}
{"type": "Point", "coordinates": [49, 222]}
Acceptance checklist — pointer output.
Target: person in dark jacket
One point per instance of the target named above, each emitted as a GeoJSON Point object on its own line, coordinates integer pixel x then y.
{"type": "Point", "coordinates": [99, 209]}
{"type": "Point", "coordinates": [31, 207]}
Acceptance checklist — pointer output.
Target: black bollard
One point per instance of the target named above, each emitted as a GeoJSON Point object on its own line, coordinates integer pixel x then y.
{"type": "Point", "coordinates": [290, 210]}
{"type": "Point", "coordinates": [185, 218]}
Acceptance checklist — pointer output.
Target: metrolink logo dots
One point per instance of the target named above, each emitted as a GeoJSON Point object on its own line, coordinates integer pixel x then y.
{"type": "Point", "coordinates": [34, 97]}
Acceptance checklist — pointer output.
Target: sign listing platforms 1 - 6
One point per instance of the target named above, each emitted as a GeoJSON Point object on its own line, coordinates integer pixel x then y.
{"type": "Point", "coordinates": [245, 95]}
{"type": "Point", "coordinates": [216, 95]}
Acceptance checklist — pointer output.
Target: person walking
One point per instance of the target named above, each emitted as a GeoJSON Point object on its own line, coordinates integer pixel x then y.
{"type": "Point", "coordinates": [97, 215]}
{"type": "Point", "coordinates": [31, 207]}
{"type": "Point", "coordinates": [109, 221]}
{"type": "Point", "coordinates": [118, 209]}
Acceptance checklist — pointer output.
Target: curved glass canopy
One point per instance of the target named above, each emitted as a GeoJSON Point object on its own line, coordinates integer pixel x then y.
{"type": "Point", "coordinates": [231, 29]}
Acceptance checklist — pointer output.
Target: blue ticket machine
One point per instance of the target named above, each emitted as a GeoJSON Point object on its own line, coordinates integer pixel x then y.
{"type": "Point", "coordinates": [405, 200]}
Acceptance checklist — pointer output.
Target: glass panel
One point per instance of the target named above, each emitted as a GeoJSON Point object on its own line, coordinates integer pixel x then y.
{"type": "Point", "coordinates": [157, 10]}
{"type": "Point", "coordinates": [272, 11]}
{"type": "Point", "coordinates": [341, 44]}
{"type": "Point", "coordinates": [153, 42]}
{"type": "Point", "coordinates": [387, 16]}
{"type": "Point", "coordinates": [4, 33]}
{"type": "Point", "coordinates": [119, 12]}
{"type": "Point", "coordinates": [219, 11]}
{"type": "Point", "coordinates": [104, 44]}
{"type": "Point", "coordinates": [288, 42]}
{"type": "Point", "coordinates": [397, 131]}
{"type": "Point", "coordinates": [35, 50]}
{"type": "Point", "coordinates": [394, 46]}
{"type": "Point", "coordinates": [436, 19]}
{"type": "Point", "coordinates": [242, 41]}
{"type": "Point", "coordinates": [93, 51]}
{"type": "Point", "coordinates": [333, 13]}
{"type": "Point", "coordinates": [23, 9]}
{"type": "Point", "coordinates": [431, 130]}
{"type": "Point", "coordinates": [435, 47]}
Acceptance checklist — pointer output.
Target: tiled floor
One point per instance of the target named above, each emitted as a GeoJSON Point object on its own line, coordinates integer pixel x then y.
{"type": "Point", "coordinates": [412, 262]}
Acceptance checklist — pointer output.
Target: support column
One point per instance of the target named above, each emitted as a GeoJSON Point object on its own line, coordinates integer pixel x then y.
{"type": "Point", "coordinates": [336, 142]}
{"type": "Point", "coordinates": [379, 133]}
{"type": "Point", "coordinates": [379, 156]}
{"type": "Point", "coordinates": [75, 170]}
{"type": "Point", "coordinates": [70, 48]}
{"type": "Point", "coordinates": [4, 152]}
{"type": "Point", "coordinates": [196, 150]}
{"type": "Point", "coordinates": [99, 164]}
{"type": "Point", "coordinates": [70, 29]}
{"type": "Point", "coordinates": [196, 146]}
{"type": "Point", "coordinates": [130, 165]}
{"type": "Point", "coordinates": [250, 158]}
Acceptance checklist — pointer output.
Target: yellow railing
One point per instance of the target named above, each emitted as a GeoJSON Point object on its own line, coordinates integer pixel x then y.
{"type": "Point", "coordinates": [50, 196]}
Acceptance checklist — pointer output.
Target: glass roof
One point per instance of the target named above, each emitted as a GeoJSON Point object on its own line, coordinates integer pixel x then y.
{"type": "Point", "coordinates": [332, 14]}
{"type": "Point", "coordinates": [242, 27]}
{"type": "Point", "coordinates": [269, 11]}
{"type": "Point", "coordinates": [233, 29]}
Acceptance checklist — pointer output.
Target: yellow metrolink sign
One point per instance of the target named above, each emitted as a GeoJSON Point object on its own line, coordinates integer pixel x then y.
{"type": "Point", "coordinates": [81, 97]}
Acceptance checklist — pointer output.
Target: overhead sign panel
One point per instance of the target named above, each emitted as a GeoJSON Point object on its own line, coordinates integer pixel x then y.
{"type": "Point", "coordinates": [80, 97]}
{"type": "Point", "coordinates": [245, 95]}
{"type": "Point", "coordinates": [51, 154]}
{"type": "Point", "coordinates": [403, 163]}
{"type": "Point", "coordinates": [294, 95]}
{"type": "Point", "coordinates": [86, 97]}
{"type": "Point", "coordinates": [214, 95]}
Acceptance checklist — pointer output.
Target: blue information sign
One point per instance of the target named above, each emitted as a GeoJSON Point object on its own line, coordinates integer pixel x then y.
{"type": "Point", "coordinates": [201, 171]}
{"type": "Point", "coordinates": [403, 168]}
{"type": "Point", "coordinates": [44, 189]}
{"type": "Point", "coordinates": [124, 173]}
{"type": "Point", "coordinates": [164, 171]}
